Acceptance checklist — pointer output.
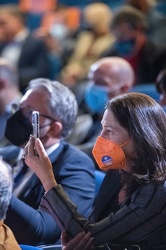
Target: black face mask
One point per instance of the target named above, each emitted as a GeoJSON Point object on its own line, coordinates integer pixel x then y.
{"type": "Point", "coordinates": [18, 129]}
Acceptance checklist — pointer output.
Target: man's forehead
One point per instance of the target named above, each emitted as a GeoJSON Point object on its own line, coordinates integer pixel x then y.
{"type": "Point", "coordinates": [100, 71]}
{"type": "Point", "coordinates": [34, 92]}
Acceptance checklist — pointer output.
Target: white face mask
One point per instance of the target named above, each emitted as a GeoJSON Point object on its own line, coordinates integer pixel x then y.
{"type": "Point", "coordinates": [59, 31]}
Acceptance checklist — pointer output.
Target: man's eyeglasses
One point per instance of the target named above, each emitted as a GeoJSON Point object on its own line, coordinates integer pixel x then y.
{"type": "Point", "coordinates": [27, 111]}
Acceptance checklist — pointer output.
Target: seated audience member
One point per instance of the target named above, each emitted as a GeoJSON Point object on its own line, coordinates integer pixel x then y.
{"type": "Point", "coordinates": [7, 239]}
{"type": "Point", "coordinates": [107, 78]}
{"type": "Point", "coordinates": [156, 30]}
{"type": "Point", "coordinates": [21, 48]}
{"type": "Point", "coordinates": [9, 93]}
{"type": "Point", "coordinates": [73, 169]}
{"type": "Point", "coordinates": [147, 58]}
{"type": "Point", "coordinates": [90, 43]}
{"type": "Point", "coordinates": [54, 41]}
{"type": "Point", "coordinates": [34, 11]}
{"type": "Point", "coordinates": [131, 142]}
{"type": "Point", "coordinates": [161, 87]}
{"type": "Point", "coordinates": [66, 17]}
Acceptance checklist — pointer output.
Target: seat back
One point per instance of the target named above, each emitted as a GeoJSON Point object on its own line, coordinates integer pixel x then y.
{"type": "Point", "coordinates": [148, 89]}
{"type": "Point", "coordinates": [28, 247]}
{"type": "Point", "coordinates": [99, 176]}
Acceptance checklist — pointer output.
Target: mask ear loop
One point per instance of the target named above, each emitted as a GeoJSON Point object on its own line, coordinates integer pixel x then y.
{"type": "Point", "coordinates": [125, 144]}
{"type": "Point", "coordinates": [121, 145]}
{"type": "Point", "coordinates": [132, 154]}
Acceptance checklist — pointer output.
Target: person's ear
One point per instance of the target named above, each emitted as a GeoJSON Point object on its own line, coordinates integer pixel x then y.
{"type": "Point", "coordinates": [125, 89]}
{"type": "Point", "coordinates": [56, 129]}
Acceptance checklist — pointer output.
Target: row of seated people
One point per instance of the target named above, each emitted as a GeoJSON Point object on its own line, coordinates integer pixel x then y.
{"type": "Point", "coordinates": [128, 32]}
{"type": "Point", "coordinates": [133, 36]}
{"type": "Point", "coordinates": [32, 9]}
{"type": "Point", "coordinates": [30, 187]}
{"type": "Point", "coordinates": [109, 175]}
{"type": "Point", "coordinates": [131, 147]}
{"type": "Point", "coordinates": [108, 77]}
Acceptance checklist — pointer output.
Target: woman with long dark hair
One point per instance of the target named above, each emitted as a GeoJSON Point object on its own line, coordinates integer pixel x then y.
{"type": "Point", "coordinates": [133, 142]}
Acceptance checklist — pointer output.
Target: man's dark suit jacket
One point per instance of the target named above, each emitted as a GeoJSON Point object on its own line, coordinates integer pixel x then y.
{"type": "Point", "coordinates": [74, 170]}
{"type": "Point", "coordinates": [33, 61]}
{"type": "Point", "coordinates": [152, 60]}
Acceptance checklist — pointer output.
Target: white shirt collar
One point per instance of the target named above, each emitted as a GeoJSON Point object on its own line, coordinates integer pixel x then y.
{"type": "Point", "coordinates": [52, 148]}
{"type": "Point", "coordinates": [48, 150]}
{"type": "Point", "coordinates": [21, 35]}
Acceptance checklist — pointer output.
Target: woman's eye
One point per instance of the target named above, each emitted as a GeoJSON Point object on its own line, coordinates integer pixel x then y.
{"type": "Point", "coordinates": [109, 131]}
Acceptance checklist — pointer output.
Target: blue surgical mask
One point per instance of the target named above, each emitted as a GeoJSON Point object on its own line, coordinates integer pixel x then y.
{"type": "Point", "coordinates": [96, 98]}
{"type": "Point", "coordinates": [125, 48]}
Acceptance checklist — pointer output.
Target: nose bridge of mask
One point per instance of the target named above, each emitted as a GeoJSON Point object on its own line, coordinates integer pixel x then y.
{"type": "Point", "coordinates": [108, 154]}
{"type": "Point", "coordinates": [98, 89]}
{"type": "Point", "coordinates": [104, 142]}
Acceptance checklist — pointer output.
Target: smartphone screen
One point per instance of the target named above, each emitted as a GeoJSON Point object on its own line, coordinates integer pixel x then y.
{"type": "Point", "coordinates": [35, 124]}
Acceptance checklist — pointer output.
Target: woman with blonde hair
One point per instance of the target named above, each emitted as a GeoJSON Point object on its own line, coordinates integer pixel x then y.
{"type": "Point", "coordinates": [90, 44]}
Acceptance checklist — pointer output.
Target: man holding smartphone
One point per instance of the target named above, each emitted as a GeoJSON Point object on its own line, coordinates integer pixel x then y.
{"type": "Point", "coordinates": [73, 169]}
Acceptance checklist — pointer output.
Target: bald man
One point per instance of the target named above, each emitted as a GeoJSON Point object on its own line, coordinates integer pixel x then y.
{"type": "Point", "coordinates": [107, 78]}
{"type": "Point", "coordinates": [7, 239]}
{"type": "Point", "coordinates": [9, 93]}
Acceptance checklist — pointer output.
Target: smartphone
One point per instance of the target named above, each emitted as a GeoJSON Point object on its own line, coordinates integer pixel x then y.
{"type": "Point", "coordinates": [35, 124]}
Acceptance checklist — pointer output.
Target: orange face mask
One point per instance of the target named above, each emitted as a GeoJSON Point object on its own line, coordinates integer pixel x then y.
{"type": "Point", "coordinates": [108, 154]}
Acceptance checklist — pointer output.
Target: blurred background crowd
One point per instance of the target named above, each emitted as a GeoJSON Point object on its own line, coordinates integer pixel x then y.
{"type": "Point", "coordinates": [76, 34]}
{"type": "Point", "coordinates": [62, 40]}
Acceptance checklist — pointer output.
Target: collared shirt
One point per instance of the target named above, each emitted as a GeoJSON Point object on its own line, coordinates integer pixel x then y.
{"type": "Point", "coordinates": [27, 174]}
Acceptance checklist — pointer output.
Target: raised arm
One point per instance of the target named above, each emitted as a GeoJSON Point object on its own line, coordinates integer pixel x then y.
{"type": "Point", "coordinates": [117, 227]}
{"type": "Point", "coordinates": [40, 164]}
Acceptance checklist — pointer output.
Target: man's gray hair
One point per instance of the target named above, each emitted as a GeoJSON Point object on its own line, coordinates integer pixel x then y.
{"type": "Point", "coordinates": [61, 103]}
{"type": "Point", "coordinates": [6, 186]}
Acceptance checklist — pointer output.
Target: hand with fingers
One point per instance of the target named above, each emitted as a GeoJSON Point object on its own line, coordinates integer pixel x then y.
{"type": "Point", "coordinates": [39, 163]}
{"type": "Point", "coordinates": [83, 241]}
